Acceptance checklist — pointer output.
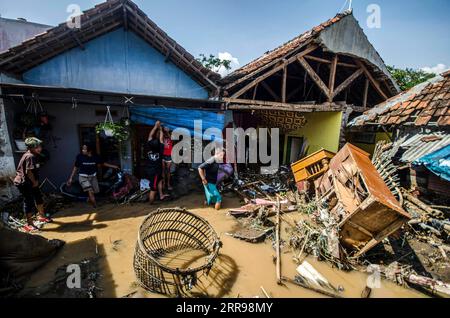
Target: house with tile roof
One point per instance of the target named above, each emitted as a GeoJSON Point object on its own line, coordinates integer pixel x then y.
{"type": "Point", "coordinates": [311, 86]}
{"type": "Point", "coordinates": [418, 123]}
{"type": "Point", "coordinates": [116, 60]}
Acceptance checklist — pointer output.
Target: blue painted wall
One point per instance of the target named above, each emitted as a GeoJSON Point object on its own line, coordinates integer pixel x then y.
{"type": "Point", "coordinates": [7, 79]}
{"type": "Point", "coordinates": [118, 61]}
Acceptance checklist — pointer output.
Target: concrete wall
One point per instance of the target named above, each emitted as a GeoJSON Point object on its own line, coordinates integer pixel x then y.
{"type": "Point", "coordinates": [117, 62]}
{"type": "Point", "coordinates": [7, 165]}
{"type": "Point", "coordinates": [65, 145]}
{"type": "Point", "coordinates": [14, 32]}
{"type": "Point", "coordinates": [322, 130]}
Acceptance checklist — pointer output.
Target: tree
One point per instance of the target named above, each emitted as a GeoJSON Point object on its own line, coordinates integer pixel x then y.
{"type": "Point", "coordinates": [214, 63]}
{"type": "Point", "coordinates": [408, 78]}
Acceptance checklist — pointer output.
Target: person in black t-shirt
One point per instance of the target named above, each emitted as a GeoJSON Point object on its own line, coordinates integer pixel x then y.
{"type": "Point", "coordinates": [86, 164]}
{"type": "Point", "coordinates": [154, 168]}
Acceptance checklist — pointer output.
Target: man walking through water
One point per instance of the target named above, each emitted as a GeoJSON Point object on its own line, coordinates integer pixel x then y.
{"type": "Point", "coordinates": [208, 172]}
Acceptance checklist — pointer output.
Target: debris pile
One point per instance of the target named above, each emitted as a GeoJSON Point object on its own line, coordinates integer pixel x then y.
{"type": "Point", "coordinates": [358, 201]}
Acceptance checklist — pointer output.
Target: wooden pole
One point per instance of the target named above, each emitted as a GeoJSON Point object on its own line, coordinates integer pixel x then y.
{"type": "Point", "coordinates": [284, 85]}
{"type": "Point", "coordinates": [277, 235]}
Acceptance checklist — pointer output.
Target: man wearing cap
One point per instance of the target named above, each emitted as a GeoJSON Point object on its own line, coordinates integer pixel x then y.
{"type": "Point", "coordinates": [27, 181]}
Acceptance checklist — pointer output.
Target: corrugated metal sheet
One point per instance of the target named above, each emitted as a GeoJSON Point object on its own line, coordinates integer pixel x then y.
{"type": "Point", "coordinates": [414, 145]}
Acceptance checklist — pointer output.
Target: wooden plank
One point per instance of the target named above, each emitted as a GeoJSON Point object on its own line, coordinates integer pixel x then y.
{"type": "Point", "coordinates": [347, 82]}
{"type": "Point", "coordinates": [277, 246]}
{"type": "Point", "coordinates": [258, 80]}
{"type": "Point", "coordinates": [284, 85]}
{"type": "Point", "coordinates": [332, 81]}
{"type": "Point", "coordinates": [366, 93]}
{"type": "Point", "coordinates": [255, 90]}
{"type": "Point", "coordinates": [380, 236]}
{"type": "Point", "coordinates": [246, 104]}
{"type": "Point", "coordinates": [308, 50]}
{"type": "Point", "coordinates": [372, 79]}
{"type": "Point", "coordinates": [325, 61]}
{"type": "Point", "coordinates": [314, 76]}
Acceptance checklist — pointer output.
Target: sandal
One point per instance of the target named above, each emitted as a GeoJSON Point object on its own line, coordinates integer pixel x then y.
{"type": "Point", "coordinates": [29, 229]}
{"type": "Point", "coordinates": [45, 220]}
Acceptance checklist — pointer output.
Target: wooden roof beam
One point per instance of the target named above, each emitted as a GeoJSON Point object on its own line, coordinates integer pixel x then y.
{"type": "Point", "coordinates": [274, 70]}
{"type": "Point", "coordinates": [374, 82]}
{"type": "Point", "coordinates": [325, 61]}
{"type": "Point", "coordinates": [315, 77]}
{"type": "Point", "coordinates": [347, 82]}
{"type": "Point", "coordinates": [308, 50]}
{"type": "Point", "coordinates": [246, 104]}
{"type": "Point", "coordinates": [332, 80]}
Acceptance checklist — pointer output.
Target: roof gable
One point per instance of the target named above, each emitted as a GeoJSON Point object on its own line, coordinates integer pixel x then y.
{"type": "Point", "coordinates": [341, 34]}
{"type": "Point", "coordinates": [101, 19]}
{"type": "Point", "coordinates": [116, 62]}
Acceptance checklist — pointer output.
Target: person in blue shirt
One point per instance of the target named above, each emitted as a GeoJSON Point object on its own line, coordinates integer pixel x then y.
{"type": "Point", "coordinates": [86, 165]}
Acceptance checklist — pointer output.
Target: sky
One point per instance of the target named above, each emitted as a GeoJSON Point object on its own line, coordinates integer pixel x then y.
{"type": "Point", "coordinates": [408, 33]}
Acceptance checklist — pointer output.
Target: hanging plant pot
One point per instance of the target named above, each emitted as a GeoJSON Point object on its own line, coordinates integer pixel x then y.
{"type": "Point", "coordinates": [108, 132]}
{"type": "Point", "coordinates": [109, 129]}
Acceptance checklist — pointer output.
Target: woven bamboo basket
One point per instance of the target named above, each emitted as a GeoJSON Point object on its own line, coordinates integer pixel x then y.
{"type": "Point", "coordinates": [174, 249]}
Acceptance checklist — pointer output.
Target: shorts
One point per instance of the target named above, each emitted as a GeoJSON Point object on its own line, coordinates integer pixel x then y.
{"type": "Point", "coordinates": [154, 179]}
{"type": "Point", "coordinates": [212, 194]}
{"type": "Point", "coordinates": [89, 183]}
{"type": "Point", "coordinates": [31, 197]}
{"type": "Point", "coordinates": [167, 158]}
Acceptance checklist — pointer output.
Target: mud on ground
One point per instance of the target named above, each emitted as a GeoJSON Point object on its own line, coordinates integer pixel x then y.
{"type": "Point", "coordinates": [108, 235]}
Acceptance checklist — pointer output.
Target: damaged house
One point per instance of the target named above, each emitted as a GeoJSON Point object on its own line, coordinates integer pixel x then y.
{"type": "Point", "coordinates": [419, 121]}
{"type": "Point", "coordinates": [310, 87]}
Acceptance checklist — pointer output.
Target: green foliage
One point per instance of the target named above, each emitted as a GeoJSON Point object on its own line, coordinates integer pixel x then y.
{"type": "Point", "coordinates": [408, 78]}
{"type": "Point", "coordinates": [213, 63]}
{"type": "Point", "coordinates": [119, 131]}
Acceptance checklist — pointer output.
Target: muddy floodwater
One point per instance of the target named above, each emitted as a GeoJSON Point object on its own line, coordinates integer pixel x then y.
{"type": "Point", "coordinates": [241, 270]}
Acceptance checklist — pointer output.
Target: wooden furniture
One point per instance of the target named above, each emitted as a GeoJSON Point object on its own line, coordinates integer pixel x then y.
{"type": "Point", "coordinates": [359, 201]}
{"type": "Point", "coordinates": [313, 166]}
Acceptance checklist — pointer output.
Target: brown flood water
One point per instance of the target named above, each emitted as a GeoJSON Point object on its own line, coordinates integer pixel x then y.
{"type": "Point", "coordinates": [240, 271]}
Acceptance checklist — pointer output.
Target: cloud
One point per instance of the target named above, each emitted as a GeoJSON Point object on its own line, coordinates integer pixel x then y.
{"type": "Point", "coordinates": [438, 69]}
{"type": "Point", "coordinates": [226, 56]}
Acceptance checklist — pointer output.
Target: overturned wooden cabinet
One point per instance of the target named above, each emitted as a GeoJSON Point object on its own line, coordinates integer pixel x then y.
{"type": "Point", "coordinates": [359, 200]}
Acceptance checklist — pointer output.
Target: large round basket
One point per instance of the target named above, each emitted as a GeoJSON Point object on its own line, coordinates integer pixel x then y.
{"type": "Point", "coordinates": [174, 249]}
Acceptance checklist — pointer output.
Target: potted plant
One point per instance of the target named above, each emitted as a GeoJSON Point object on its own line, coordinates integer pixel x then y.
{"type": "Point", "coordinates": [118, 131]}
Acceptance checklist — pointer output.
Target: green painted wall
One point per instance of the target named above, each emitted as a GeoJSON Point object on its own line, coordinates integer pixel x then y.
{"type": "Point", "coordinates": [322, 130]}
{"type": "Point", "coordinates": [370, 148]}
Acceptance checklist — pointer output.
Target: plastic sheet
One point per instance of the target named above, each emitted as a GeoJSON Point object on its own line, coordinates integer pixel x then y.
{"type": "Point", "coordinates": [179, 118]}
{"type": "Point", "coordinates": [437, 162]}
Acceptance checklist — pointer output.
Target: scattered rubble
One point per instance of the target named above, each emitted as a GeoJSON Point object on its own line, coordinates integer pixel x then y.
{"type": "Point", "coordinates": [358, 204]}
